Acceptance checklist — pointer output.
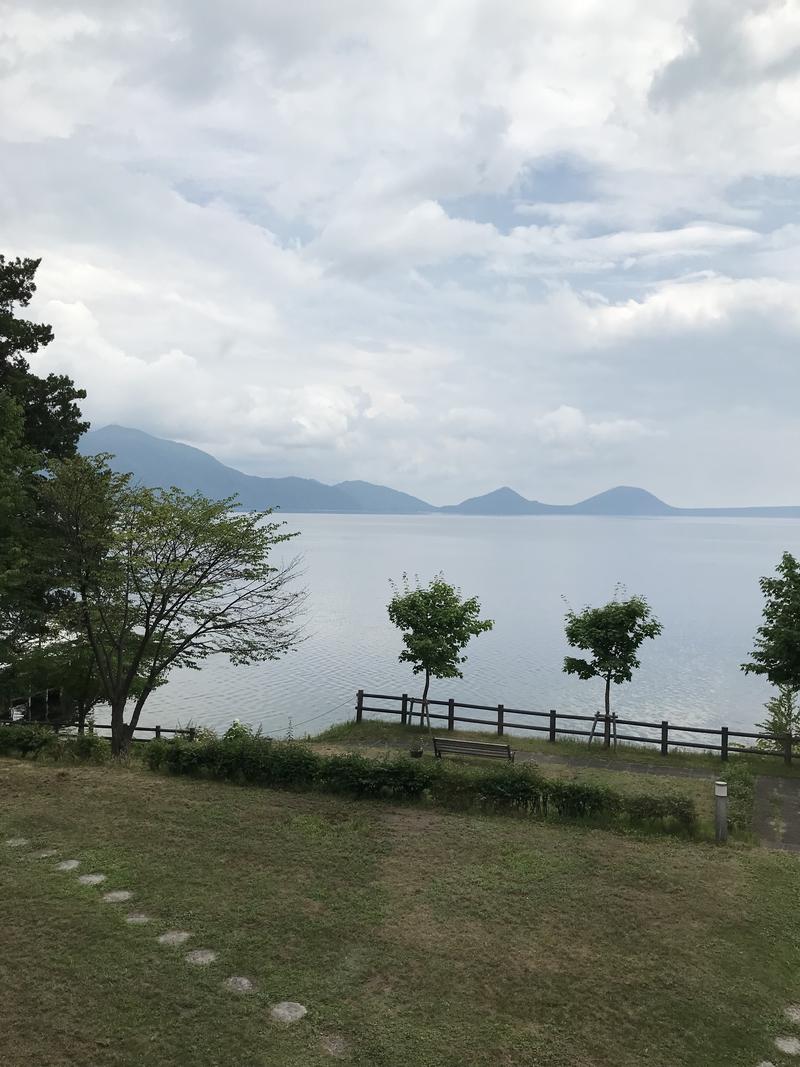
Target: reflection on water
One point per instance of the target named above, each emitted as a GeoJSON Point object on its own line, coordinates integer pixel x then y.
{"type": "Point", "coordinates": [700, 575]}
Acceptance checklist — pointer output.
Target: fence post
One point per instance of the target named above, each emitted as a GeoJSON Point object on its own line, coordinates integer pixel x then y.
{"type": "Point", "coordinates": [404, 708]}
{"type": "Point", "coordinates": [158, 733]}
{"type": "Point", "coordinates": [724, 743]}
{"type": "Point", "coordinates": [359, 705]}
{"type": "Point", "coordinates": [721, 811]}
{"type": "Point", "coordinates": [787, 749]}
{"type": "Point", "coordinates": [606, 731]}
{"type": "Point", "coordinates": [552, 734]}
{"type": "Point", "coordinates": [192, 733]}
{"type": "Point", "coordinates": [500, 714]}
{"type": "Point", "coordinates": [451, 714]}
{"type": "Point", "coordinates": [664, 737]}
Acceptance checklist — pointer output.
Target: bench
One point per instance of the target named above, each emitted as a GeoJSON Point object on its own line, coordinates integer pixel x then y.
{"type": "Point", "coordinates": [484, 749]}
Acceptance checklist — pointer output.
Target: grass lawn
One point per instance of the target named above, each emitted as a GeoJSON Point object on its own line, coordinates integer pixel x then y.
{"type": "Point", "coordinates": [414, 937]}
{"type": "Point", "coordinates": [700, 790]}
{"type": "Point", "coordinates": [393, 734]}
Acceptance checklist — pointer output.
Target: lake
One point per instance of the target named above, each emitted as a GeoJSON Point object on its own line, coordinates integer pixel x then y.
{"type": "Point", "coordinates": [700, 576]}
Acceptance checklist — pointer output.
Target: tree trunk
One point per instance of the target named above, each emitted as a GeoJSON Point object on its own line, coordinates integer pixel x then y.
{"type": "Point", "coordinates": [607, 725]}
{"type": "Point", "coordinates": [423, 711]}
{"type": "Point", "coordinates": [119, 738]}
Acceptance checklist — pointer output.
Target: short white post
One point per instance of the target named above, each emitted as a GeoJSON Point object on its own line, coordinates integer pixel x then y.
{"type": "Point", "coordinates": [721, 811]}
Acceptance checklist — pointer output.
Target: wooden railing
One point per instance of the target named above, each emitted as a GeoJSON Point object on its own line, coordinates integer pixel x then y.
{"type": "Point", "coordinates": [603, 727]}
{"type": "Point", "coordinates": [156, 731]}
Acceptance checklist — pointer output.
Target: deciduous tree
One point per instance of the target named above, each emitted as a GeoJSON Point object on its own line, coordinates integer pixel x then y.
{"type": "Point", "coordinates": [776, 653]}
{"type": "Point", "coordinates": [613, 635]}
{"type": "Point", "coordinates": [164, 579]}
{"type": "Point", "coordinates": [436, 624]}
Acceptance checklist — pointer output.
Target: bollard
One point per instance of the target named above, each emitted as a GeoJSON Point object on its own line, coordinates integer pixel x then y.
{"type": "Point", "coordinates": [721, 811]}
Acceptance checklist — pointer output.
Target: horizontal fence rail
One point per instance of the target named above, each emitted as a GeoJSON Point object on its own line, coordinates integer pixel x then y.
{"type": "Point", "coordinates": [665, 735]}
{"type": "Point", "coordinates": [90, 727]}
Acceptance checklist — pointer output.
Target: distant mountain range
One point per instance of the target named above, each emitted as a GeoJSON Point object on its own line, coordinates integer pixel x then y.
{"type": "Point", "coordinates": [154, 461]}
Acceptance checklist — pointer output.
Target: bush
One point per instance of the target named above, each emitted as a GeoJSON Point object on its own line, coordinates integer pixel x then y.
{"type": "Point", "coordinates": [28, 740]}
{"type": "Point", "coordinates": [89, 747]}
{"type": "Point", "coordinates": [243, 756]}
{"type": "Point", "coordinates": [741, 796]}
{"type": "Point", "coordinates": [35, 740]}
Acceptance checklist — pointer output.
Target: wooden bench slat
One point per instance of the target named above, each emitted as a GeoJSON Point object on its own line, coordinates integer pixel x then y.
{"type": "Point", "coordinates": [486, 749]}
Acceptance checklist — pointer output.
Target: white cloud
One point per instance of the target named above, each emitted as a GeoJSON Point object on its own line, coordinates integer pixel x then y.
{"type": "Point", "coordinates": [437, 245]}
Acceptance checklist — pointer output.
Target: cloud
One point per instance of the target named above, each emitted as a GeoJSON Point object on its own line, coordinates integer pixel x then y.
{"type": "Point", "coordinates": [569, 427]}
{"type": "Point", "coordinates": [446, 248]}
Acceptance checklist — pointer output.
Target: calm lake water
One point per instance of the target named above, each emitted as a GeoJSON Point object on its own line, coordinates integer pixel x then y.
{"type": "Point", "coordinates": [700, 576]}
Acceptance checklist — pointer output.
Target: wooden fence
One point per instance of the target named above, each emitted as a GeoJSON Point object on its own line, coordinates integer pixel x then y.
{"type": "Point", "coordinates": [664, 733]}
{"type": "Point", "coordinates": [156, 731]}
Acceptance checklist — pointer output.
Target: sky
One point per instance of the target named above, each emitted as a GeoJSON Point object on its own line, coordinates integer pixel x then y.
{"type": "Point", "coordinates": [445, 245]}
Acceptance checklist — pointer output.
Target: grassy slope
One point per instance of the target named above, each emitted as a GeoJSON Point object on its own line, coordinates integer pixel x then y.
{"type": "Point", "coordinates": [394, 734]}
{"type": "Point", "coordinates": [419, 937]}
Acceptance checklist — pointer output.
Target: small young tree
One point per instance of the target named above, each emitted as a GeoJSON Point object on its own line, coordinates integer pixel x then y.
{"type": "Point", "coordinates": [613, 634]}
{"type": "Point", "coordinates": [783, 717]}
{"type": "Point", "coordinates": [163, 579]}
{"type": "Point", "coordinates": [776, 653]}
{"type": "Point", "coordinates": [436, 625]}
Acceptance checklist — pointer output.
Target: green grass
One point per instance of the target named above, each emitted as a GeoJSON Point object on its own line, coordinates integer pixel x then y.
{"type": "Point", "coordinates": [622, 781]}
{"type": "Point", "coordinates": [392, 734]}
{"type": "Point", "coordinates": [418, 937]}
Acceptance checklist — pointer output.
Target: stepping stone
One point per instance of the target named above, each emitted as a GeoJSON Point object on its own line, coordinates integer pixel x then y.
{"type": "Point", "coordinates": [68, 865]}
{"type": "Point", "coordinates": [17, 842]}
{"type": "Point", "coordinates": [333, 1045]}
{"type": "Point", "coordinates": [200, 957]}
{"type": "Point", "coordinates": [174, 937]}
{"type": "Point", "coordinates": [137, 918]}
{"type": "Point", "coordinates": [765, 1063]}
{"type": "Point", "coordinates": [238, 984]}
{"type": "Point", "coordinates": [792, 1013]}
{"type": "Point", "coordinates": [91, 879]}
{"type": "Point", "coordinates": [117, 896]}
{"type": "Point", "coordinates": [789, 1045]}
{"type": "Point", "coordinates": [44, 854]}
{"type": "Point", "coordinates": [288, 1011]}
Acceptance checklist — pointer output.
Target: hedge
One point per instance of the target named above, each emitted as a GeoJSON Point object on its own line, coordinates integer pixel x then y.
{"type": "Point", "coordinates": [247, 758]}
{"type": "Point", "coordinates": [33, 740]}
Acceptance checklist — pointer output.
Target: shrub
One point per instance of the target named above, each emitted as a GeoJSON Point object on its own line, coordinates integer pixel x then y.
{"type": "Point", "coordinates": [88, 746]}
{"type": "Point", "coordinates": [244, 756]}
{"type": "Point", "coordinates": [24, 740]}
{"type": "Point", "coordinates": [41, 741]}
{"type": "Point", "coordinates": [741, 796]}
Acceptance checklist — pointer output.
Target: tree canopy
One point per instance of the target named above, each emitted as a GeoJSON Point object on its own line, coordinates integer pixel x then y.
{"type": "Point", "coordinates": [164, 579]}
{"type": "Point", "coordinates": [613, 635]}
{"type": "Point", "coordinates": [437, 625]}
{"type": "Point", "coordinates": [776, 652]}
{"type": "Point", "coordinates": [49, 405]}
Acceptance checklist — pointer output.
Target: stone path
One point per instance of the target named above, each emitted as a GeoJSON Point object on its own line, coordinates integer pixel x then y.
{"type": "Point", "coordinates": [286, 1011]}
